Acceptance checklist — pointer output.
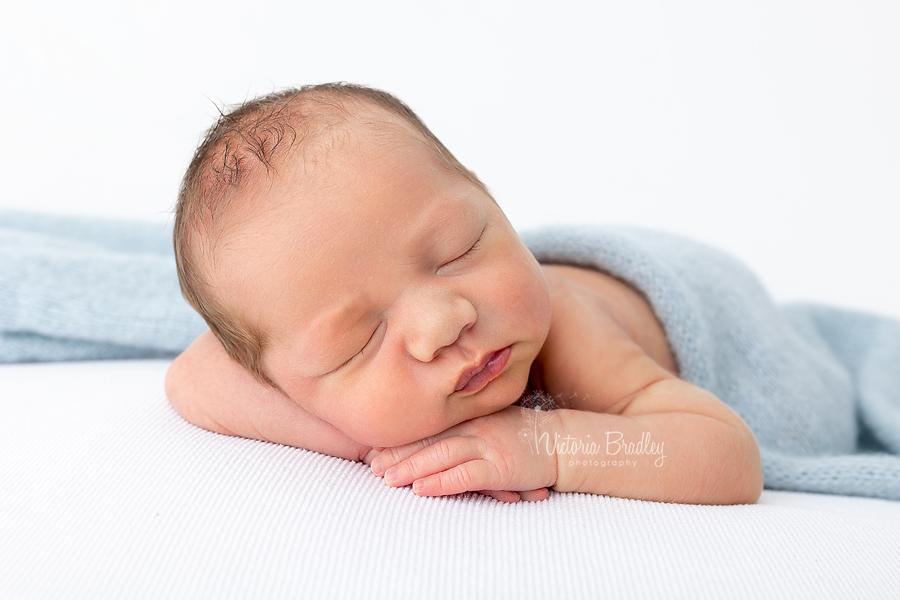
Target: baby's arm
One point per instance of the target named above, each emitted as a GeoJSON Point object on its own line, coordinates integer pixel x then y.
{"type": "Point", "coordinates": [673, 442]}
{"type": "Point", "coordinates": [212, 391]}
{"type": "Point", "coordinates": [603, 351]}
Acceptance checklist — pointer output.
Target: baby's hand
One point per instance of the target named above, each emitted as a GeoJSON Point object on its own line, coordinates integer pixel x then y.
{"type": "Point", "coordinates": [501, 495]}
{"type": "Point", "coordinates": [488, 454]}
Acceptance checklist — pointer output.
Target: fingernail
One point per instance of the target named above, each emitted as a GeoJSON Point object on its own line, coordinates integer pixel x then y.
{"type": "Point", "coordinates": [391, 475]}
{"type": "Point", "coordinates": [419, 485]}
{"type": "Point", "coordinates": [376, 466]}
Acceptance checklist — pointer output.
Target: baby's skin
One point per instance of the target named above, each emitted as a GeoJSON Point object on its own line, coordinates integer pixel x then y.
{"type": "Point", "coordinates": [405, 317]}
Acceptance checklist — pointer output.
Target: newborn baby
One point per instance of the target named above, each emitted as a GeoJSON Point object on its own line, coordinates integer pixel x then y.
{"type": "Point", "coordinates": [368, 299]}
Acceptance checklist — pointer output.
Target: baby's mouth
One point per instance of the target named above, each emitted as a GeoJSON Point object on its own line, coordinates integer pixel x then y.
{"type": "Point", "coordinates": [475, 378]}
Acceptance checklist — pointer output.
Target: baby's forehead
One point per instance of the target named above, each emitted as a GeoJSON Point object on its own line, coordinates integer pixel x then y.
{"type": "Point", "coordinates": [347, 237]}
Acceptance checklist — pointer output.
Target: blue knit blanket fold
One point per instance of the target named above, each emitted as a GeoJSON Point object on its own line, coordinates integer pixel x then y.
{"type": "Point", "coordinates": [818, 386]}
{"type": "Point", "coordinates": [74, 288]}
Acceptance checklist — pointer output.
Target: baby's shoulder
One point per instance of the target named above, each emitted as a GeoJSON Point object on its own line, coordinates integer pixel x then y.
{"type": "Point", "coordinates": [593, 303]}
{"type": "Point", "coordinates": [579, 289]}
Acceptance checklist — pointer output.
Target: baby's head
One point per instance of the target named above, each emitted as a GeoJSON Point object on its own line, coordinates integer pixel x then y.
{"type": "Point", "coordinates": [342, 255]}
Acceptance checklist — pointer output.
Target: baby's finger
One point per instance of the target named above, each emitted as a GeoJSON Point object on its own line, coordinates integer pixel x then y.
{"type": "Point", "coordinates": [440, 456]}
{"type": "Point", "coordinates": [471, 476]}
{"type": "Point", "coordinates": [501, 495]}
{"type": "Point", "coordinates": [391, 456]}
{"type": "Point", "coordinates": [371, 455]}
{"type": "Point", "coordinates": [537, 495]}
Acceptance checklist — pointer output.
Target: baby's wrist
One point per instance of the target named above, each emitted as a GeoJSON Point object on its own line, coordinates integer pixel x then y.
{"type": "Point", "coordinates": [555, 430]}
{"type": "Point", "coordinates": [560, 427]}
{"type": "Point", "coordinates": [569, 477]}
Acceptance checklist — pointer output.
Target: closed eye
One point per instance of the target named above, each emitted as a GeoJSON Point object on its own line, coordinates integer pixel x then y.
{"type": "Point", "coordinates": [349, 360]}
{"type": "Point", "coordinates": [470, 252]}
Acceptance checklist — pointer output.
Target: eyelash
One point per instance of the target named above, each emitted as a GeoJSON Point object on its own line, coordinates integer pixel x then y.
{"type": "Point", "coordinates": [468, 254]}
{"type": "Point", "coordinates": [349, 360]}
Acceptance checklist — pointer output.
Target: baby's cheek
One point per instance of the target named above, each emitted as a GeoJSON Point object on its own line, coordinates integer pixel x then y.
{"type": "Point", "coordinates": [379, 422]}
{"type": "Point", "coordinates": [408, 423]}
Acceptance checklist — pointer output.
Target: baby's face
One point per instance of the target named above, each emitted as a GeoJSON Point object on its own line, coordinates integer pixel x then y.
{"type": "Point", "coordinates": [397, 298]}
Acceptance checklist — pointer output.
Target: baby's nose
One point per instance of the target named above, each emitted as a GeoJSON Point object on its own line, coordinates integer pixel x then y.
{"type": "Point", "coordinates": [438, 325]}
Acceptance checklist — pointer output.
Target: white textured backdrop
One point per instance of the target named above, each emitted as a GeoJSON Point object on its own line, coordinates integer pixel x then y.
{"type": "Point", "coordinates": [768, 128]}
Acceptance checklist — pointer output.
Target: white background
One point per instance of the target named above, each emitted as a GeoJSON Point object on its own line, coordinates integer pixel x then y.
{"type": "Point", "coordinates": [771, 129]}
